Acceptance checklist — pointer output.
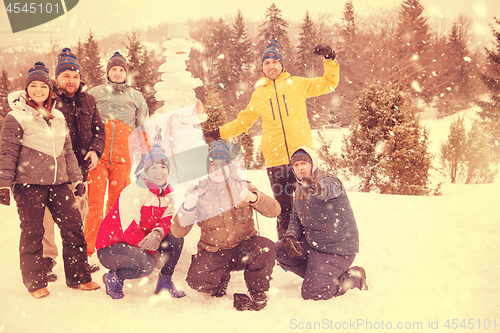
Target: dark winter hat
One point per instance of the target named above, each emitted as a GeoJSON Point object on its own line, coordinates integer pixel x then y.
{"type": "Point", "coordinates": [273, 50]}
{"type": "Point", "coordinates": [117, 60]}
{"type": "Point", "coordinates": [300, 155]}
{"type": "Point", "coordinates": [219, 150]}
{"type": "Point", "coordinates": [38, 73]}
{"type": "Point", "coordinates": [156, 155]}
{"type": "Point", "coordinates": [66, 61]}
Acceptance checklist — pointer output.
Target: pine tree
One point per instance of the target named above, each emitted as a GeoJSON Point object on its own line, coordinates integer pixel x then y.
{"type": "Point", "coordinates": [245, 142]}
{"type": "Point", "coordinates": [479, 155]}
{"type": "Point", "coordinates": [307, 64]}
{"type": "Point", "coordinates": [349, 21]}
{"type": "Point", "coordinates": [453, 150]}
{"type": "Point", "coordinates": [219, 49]}
{"type": "Point", "coordinates": [216, 113]}
{"type": "Point", "coordinates": [275, 27]}
{"type": "Point", "coordinates": [134, 54]}
{"type": "Point", "coordinates": [490, 109]}
{"type": "Point", "coordinates": [387, 147]}
{"type": "Point", "coordinates": [92, 71]}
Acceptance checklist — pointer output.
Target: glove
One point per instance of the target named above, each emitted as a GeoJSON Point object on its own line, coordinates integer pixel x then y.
{"type": "Point", "coordinates": [191, 201]}
{"type": "Point", "coordinates": [314, 186]}
{"type": "Point", "coordinates": [140, 165]}
{"type": "Point", "coordinates": [152, 241]}
{"type": "Point", "coordinates": [325, 50]}
{"type": "Point", "coordinates": [292, 246]}
{"type": "Point", "coordinates": [80, 189]}
{"type": "Point", "coordinates": [212, 136]}
{"type": "Point", "coordinates": [5, 196]}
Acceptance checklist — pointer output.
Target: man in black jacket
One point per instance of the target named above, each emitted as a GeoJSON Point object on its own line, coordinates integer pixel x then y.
{"type": "Point", "coordinates": [87, 134]}
{"type": "Point", "coordinates": [321, 241]}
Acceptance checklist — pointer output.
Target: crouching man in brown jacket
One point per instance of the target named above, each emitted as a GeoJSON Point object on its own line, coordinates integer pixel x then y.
{"type": "Point", "coordinates": [223, 205]}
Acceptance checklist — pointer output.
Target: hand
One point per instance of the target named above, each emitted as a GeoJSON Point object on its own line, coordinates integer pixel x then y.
{"type": "Point", "coordinates": [314, 187]}
{"type": "Point", "coordinates": [191, 201]}
{"type": "Point", "coordinates": [152, 241]}
{"type": "Point", "coordinates": [80, 189]}
{"type": "Point", "coordinates": [92, 155]}
{"type": "Point", "coordinates": [212, 136]}
{"type": "Point", "coordinates": [292, 246]}
{"type": "Point", "coordinates": [140, 165]}
{"type": "Point", "coordinates": [248, 196]}
{"type": "Point", "coordinates": [5, 196]}
{"type": "Point", "coordinates": [325, 50]}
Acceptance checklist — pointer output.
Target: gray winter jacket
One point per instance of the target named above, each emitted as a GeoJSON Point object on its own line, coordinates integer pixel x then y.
{"type": "Point", "coordinates": [33, 150]}
{"type": "Point", "coordinates": [326, 221]}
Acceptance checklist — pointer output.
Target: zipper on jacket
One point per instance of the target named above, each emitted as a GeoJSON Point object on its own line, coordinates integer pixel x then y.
{"type": "Point", "coordinates": [281, 119]}
{"type": "Point", "coordinates": [53, 151]}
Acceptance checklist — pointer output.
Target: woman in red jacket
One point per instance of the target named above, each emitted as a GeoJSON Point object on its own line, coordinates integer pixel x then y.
{"type": "Point", "coordinates": [135, 233]}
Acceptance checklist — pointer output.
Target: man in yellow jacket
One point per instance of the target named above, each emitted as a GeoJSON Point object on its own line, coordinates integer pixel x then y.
{"type": "Point", "coordinates": [280, 101]}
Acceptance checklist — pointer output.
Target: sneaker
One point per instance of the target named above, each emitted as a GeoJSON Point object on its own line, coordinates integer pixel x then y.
{"type": "Point", "coordinates": [40, 293]}
{"type": "Point", "coordinates": [114, 285]}
{"type": "Point", "coordinates": [89, 286]}
{"type": "Point", "coordinates": [165, 283]}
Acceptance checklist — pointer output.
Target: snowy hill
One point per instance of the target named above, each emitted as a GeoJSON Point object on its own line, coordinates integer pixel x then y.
{"type": "Point", "coordinates": [430, 262]}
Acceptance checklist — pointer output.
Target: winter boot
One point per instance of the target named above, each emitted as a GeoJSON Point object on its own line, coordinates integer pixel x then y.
{"type": "Point", "coordinates": [359, 272]}
{"type": "Point", "coordinates": [220, 291]}
{"type": "Point", "coordinates": [165, 282]}
{"type": "Point", "coordinates": [243, 303]}
{"type": "Point", "coordinates": [50, 263]}
{"type": "Point", "coordinates": [114, 285]}
{"type": "Point", "coordinates": [91, 268]}
{"type": "Point", "coordinates": [259, 299]}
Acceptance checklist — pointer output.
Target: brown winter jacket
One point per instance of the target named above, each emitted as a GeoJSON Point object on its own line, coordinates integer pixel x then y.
{"type": "Point", "coordinates": [234, 225]}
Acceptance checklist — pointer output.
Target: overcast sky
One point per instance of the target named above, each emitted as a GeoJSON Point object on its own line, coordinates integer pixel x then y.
{"type": "Point", "coordinates": [108, 16]}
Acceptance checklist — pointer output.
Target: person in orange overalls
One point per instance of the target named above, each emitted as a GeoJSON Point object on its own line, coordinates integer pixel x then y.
{"type": "Point", "coordinates": [122, 109]}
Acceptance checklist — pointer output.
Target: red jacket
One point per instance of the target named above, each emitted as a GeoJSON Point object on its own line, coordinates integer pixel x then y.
{"type": "Point", "coordinates": [141, 207]}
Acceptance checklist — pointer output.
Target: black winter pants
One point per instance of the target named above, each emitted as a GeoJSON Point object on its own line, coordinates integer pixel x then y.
{"type": "Point", "coordinates": [256, 256]}
{"type": "Point", "coordinates": [31, 202]}
{"type": "Point", "coordinates": [282, 181]}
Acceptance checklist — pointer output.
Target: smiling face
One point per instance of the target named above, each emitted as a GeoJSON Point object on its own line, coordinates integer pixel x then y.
{"type": "Point", "coordinates": [219, 171]}
{"type": "Point", "coordinates": [117, 74]}
{"type": "Point", "coordinates": [272, 68]}
{"type": "Point", "coordinates": [38, 91]}
{"type": "Point", "coordinates": [157, 174]}
{"type": "Point", "coordinates": [69, 81]}
{"type": "Point", "coordinates": [302, 169]}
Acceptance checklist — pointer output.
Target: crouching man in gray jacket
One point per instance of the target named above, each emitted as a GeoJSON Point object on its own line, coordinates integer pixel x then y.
{"type": "Point", "coordinates": [322, 238]}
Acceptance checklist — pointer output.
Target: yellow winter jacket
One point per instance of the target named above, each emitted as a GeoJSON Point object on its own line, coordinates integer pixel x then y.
{"type": "Point", "coordinates": [282, 105]}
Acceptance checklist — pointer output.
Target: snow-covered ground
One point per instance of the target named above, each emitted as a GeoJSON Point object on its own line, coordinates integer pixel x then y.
{"type": "Point", "coordinates": [432, 264]}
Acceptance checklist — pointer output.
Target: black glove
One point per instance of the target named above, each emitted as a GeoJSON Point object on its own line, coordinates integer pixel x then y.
{"type": "Point", "coordinates": [140, 165]}
{"type": "Point", "coordinates": [313, 186]}
{"type": "Point", "coordinates": [80, 189]}
{"type": "Point", "coordinates": [292, 246]}
{"type": "Point", "coordinates": [5, 196]}
{"type": "Point", "coordinates": [325, 50]}
{"type": "Point", "coordinates": [212, 136]}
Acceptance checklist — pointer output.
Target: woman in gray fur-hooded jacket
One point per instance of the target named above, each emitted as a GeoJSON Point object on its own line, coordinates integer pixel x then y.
{"type": "Point", "coordinates": [37, 162]}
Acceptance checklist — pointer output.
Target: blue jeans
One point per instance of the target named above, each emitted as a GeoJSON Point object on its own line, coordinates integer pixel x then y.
{"type": "Point", "coordinates": [130, 262]}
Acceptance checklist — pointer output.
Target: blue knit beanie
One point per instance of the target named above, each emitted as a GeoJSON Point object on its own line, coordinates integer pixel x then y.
{"type": "Point", "coordinates": [219, 151]}
{"type": "Point", "coordinates": [273, 50]}
{"type": "Point", "coordinates": [116, 60]}
{"type": "Point", "coordinates": [156, 155]}
{"type": "Point", "coordinates": [66, 61]}
{"type": "Point", "coordinates": [38, 73]}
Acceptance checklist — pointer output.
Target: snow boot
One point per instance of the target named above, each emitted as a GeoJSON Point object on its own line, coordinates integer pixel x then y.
{"type": "Point", "coordinates": [114, 285]}
{"type": "Point", "coordinates": [165, 282]}
{"type": "Point", "coordinates": [242, 302]}
{"type": "Point", "coordinates": [91, 268]}
{"type": "Point", "coordinates": [50, 263]}
{"type": "Point", "coordinates": [359, 273]}
{"type": "Point", "coordinates": [220, 291]}
{"type": "Point", "coordinates": [40, 293]}
{"type": "Point", "coordinates": [259, 299]}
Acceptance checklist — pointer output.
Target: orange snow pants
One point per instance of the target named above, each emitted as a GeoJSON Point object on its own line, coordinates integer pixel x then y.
{"type": "Point", "coordinates": [112, 173]}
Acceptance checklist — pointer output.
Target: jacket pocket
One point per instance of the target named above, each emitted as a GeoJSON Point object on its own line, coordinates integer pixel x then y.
{"type": "Point", "coordinates": [286, 106]}
{"type": "Point", "coordinates": [272, 109]}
